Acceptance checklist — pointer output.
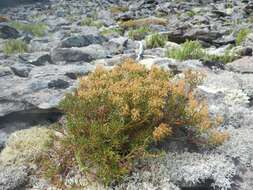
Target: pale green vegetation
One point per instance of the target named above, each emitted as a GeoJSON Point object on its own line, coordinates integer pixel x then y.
{"type": "Point", "coordinates": [25, 146]}
{"type": "Point", "coordinates": [242, 35]}
{"type": "Point", "coordinates": [194, 50]}
{"type": "Point", "coordinates": [14, 46]}
{"type": "Point", "coordinates": [139, 33]}
{"type": "Point", "coordinates": [89, 21]}
{"type": "Point", "coordinates": [155, 40]}
{"type": "Point", "coordinates": [36, 29]}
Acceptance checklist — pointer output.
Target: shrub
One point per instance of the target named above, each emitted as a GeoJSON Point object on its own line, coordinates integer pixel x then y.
{"type": "Point", "coordinates": [15, 46]}
{"type": "Point", "coordinates": [155, 40]}
{"type": "Point", "coordinates": [188, 50]}
{"type": "Point", "coordinates": [37, 29]}
{"type": "Point", "coordinates": [88, 21]}
{"type": "Point", "coordinates": [114, 116]}
{"type": "Point", "coordinates": [143, 22]}
{"type": "Point", "coordinates": [242, 35]}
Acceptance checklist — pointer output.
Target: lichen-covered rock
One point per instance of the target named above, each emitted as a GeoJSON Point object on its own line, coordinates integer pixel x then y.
{"type": "Point", "coordinates": [183, 170]}
{"type": "Point", "coordinates": [12, 177]}
{"type": "Point", "coordinates": [25, 146]}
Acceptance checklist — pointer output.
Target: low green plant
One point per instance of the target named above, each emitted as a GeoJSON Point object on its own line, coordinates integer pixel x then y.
{"type": "Point", "coordinates": [139, 33]}
{"type": "Point", "coordinates": [14, 46]}
{"type": "Point", "coordinates": [227, 57]}
{"type": "Point", "coordinates": [242, 35]}
{"type": "Point", "coordinates": [111, 31]}
{"type": "Point", "coordinates": [155, 40]}
{"type": "Point", "coordinates": [37, 29]}
{"type": "Point", "coordinates": [89, 21]}
{"type": "Point", "coordinates": [191, 13]}
{"type": "Point", "coordinates": [114, 115]}
{"type": "Point", "coordinates": [188, 50]}
{"type": "Point", "coordinates": [194, 50]}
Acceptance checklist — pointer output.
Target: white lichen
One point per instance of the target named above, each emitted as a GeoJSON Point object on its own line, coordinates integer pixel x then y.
{"type": "Point", "coordinates": [185, 169]}
{"type": "Point", "coordinates": [25, 145]}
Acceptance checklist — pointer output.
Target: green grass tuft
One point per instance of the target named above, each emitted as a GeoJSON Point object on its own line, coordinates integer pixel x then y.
{"type": "Point", "coordinates": [194, 50]}
{"type": "Point", "coordinates": [156, 40]}
{"type": "Point", "coordinates": [188, 50]}
{"type": "Point", "coordinates": [88, 21]}
{"type": "Point", "coordinates": [36, 29]}
{"type": "Point", "coordinates": [15, 46]}
{"type": "Point", "coordinates": [241, 36]}
{"type": "Point", "coordinates": [139, 33]}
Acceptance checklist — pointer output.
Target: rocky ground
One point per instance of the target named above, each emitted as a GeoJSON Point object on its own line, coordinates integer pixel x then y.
{"type": "Point", "coordinates": [33, 83]}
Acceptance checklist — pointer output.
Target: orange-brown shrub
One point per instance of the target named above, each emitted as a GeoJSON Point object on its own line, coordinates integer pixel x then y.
{"type": "Point", "coordinates": [115, 114]}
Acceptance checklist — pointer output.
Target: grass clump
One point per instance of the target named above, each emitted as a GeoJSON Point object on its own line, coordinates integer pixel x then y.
{"type": "Point", "coordinates": [14, 46]}
{"type": "Point", "coordinates": [139, 33]}
{"type": "Point", "coordinates": [155, 41]}
{"type": "Point", "coordinates": [194, 50]}
{"type": "Point", "coordinates": [118, 9]}
{"type": "Point", "coordinates": [36, 29]}
{"type": "Point", "coordinates": [188, 50]}
{"type": "Point", "coordinates": [111, 31]}
{"type": "Point", "coordinates": [89, 21]}
{"type": "Point", "coordinates": [113, 117]}
{"type": "Point", "coordinates": [242, 35]}
{"type": "Point", "coordinates": [143, 22]}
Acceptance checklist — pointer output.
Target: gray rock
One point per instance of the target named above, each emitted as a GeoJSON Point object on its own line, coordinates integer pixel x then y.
{"type": "Point", "coordinates": [21, 70]}
{"type": "Point", "coordinates": [243, 65]}
{"type": "Point", "coordinates": [8, 32]}
{"type": "Point", "coordinates": [58, 84]}
{"type": "Point", "coordinates": [70, 55]}
{"type": "Point", "coordinates": [117, 45]}
{"type": "Point", "coordinates": [4, 71]}
{"type": "Point", "coordinates": [74, 73]}
{"type": "Point", "coordinates": [37, 59]}
{"type": "Point", "coordinates": [12, 178]}
{"type": "Point", "coordinates": [82, 41]}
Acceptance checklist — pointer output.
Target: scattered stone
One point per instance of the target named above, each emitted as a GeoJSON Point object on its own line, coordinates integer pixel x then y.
{"type": "Point", "coordinates": [5, 71]}
{"type": "Point", "coordinates": [21, 70]}
{"type": "Point", "coordinates": [8, 32]}
{"type": "Point", "coordinates": [82, 41]}
{"type": "Point", "coordinates": [58, 84]}
{"type": "Point", "coordinates": [37, 59]}
{"type": "Point", "coordinates": [243, 65]}
{"type": "Point", "coordinates": [70, 55]}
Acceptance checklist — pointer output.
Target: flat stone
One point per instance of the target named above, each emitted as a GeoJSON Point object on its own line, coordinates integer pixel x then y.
{"type": "Point", "coordinates": [21, 70]}
{"type": "Point", "coordinates": [58, 84]}
{"type": "Point", "coordinates": [37, 59]}
{"type": "Point", "coordinates": [243, 65]}
{"type": "Point", "coordinates": [82, 41]}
